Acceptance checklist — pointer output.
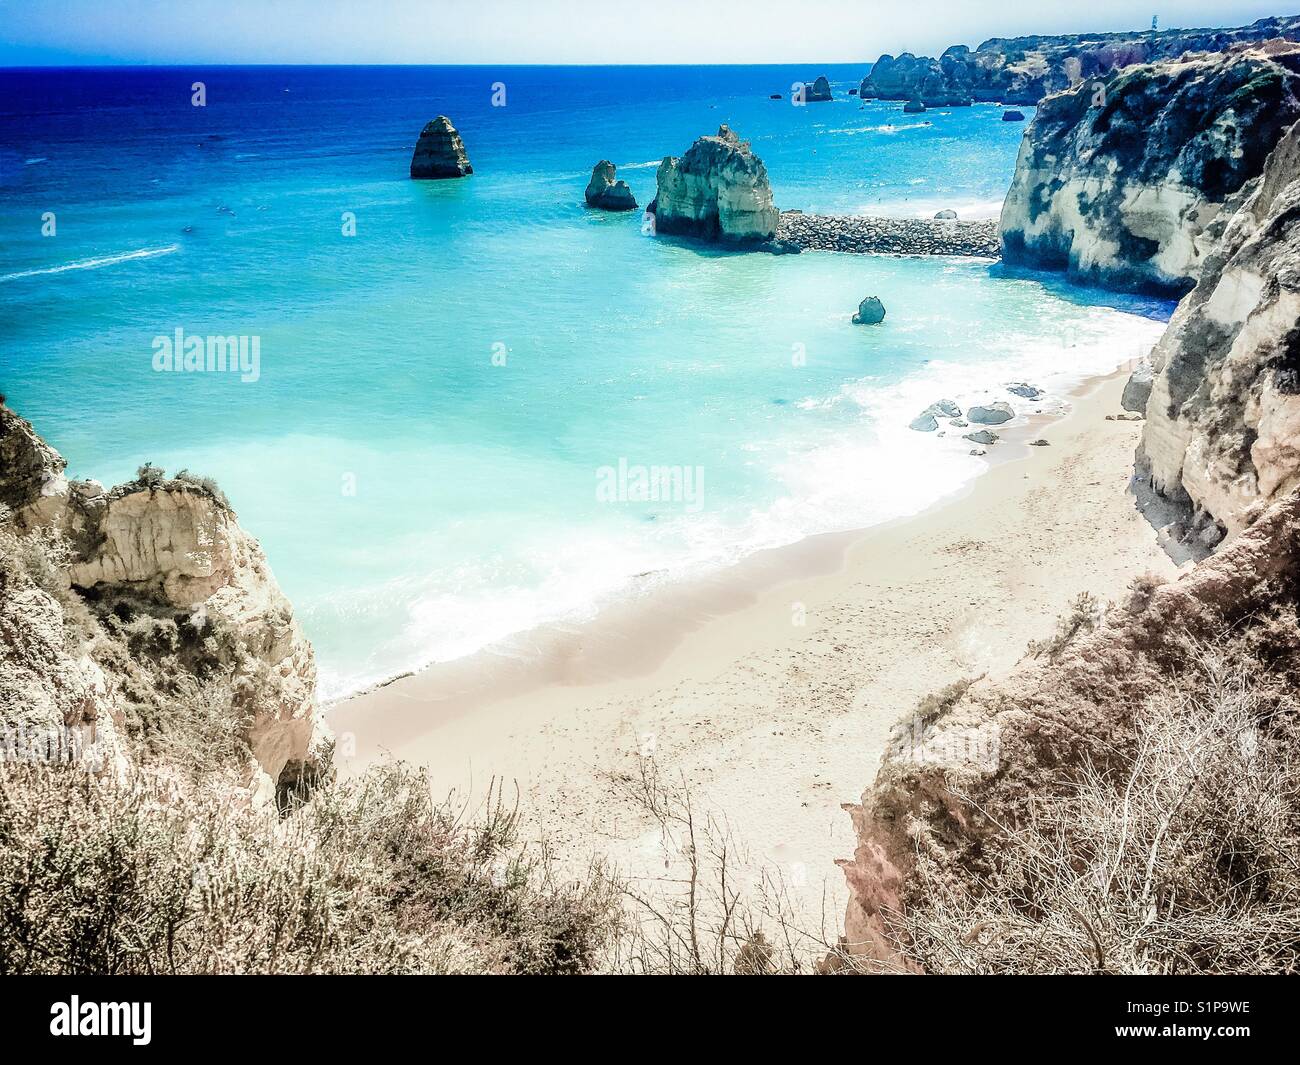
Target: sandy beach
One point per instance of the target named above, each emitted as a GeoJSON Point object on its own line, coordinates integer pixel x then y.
{"type": "Point", "coordinates": [771, 690]}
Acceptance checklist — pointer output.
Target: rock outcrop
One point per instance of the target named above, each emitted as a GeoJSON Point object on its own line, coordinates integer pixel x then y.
{"type": "Point", "coordinates": [440, 153]}
{"type": "Point", "coordinates": [1223, 416]}
{"type": "Point", "coordinates": [605, 192]}
{"type": "Point", "coordinates": [1119, 182]}
{"type": "Point", "coordinates": [1023, 70]}
{"type": "Point", "coordinates": [168, 594]}
{"type": "Point", "coordinates": [817, 92]}
{"type": "Point", "coordinates": [974, 756]}
{"type": "Point", "coordinates": [717, 191]}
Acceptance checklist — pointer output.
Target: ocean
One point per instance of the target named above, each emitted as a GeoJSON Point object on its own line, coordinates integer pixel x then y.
{"type": "Point", "coordinates": [462, 389]}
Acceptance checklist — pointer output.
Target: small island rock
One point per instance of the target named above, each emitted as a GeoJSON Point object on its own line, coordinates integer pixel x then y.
{"type": "Point", "coordinates": [870, 312]}
{"type": "Point", "coordinates": [440, 153]}
{"type": "Point", "coordinates": [606, 193]}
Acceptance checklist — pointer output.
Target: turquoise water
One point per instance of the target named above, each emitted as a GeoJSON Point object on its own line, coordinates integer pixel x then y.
{"type": "Point", "coordinates": [443, 400]}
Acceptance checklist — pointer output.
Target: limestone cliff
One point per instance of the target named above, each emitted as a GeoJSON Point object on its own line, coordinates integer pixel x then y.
{"type": "Point", "coordinates": [717, 191]}
{"type": "Point", "coordinates": [1119, 182]}
{"type": "Point", "coordinates": [1223, 418]}
{"type": "Point", "coordinates": [119, 605]}
{"type": "Point", "coordinates": [1022, 70]}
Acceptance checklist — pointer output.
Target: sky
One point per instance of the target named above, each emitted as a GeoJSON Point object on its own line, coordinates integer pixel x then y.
{"type": "Point", "coordinates": [41, 32]}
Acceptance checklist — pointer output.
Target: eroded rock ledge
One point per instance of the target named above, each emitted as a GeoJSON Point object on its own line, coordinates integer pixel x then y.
{"type": "Point", "coordinates": [901, 236]}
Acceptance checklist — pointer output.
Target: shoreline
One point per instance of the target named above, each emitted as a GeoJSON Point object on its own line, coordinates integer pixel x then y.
{"type": "Point", "coordinates": [770, 691]}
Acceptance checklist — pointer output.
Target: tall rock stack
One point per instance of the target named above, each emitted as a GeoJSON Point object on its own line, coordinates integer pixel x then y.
{"type": "Point", "coordinates": [440, 153]}
{"type": "Point", "coordinates": [1116, 182]}
{"type": "Point", "coordinates": [717, 191]}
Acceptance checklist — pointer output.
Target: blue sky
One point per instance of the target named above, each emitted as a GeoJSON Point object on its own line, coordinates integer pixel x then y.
{"type": "Point", "coordinates": [552, 31]}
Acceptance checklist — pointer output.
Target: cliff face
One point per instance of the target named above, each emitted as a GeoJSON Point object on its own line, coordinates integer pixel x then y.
{"type": "Point", "coordinates": [1223, 418]}
{"type": "Point", "coordinates": [118, 604]}
{"type": "Point", "coordinates": [717, 191]}
{"type": "Point", "coordinates": [1120, 186]}
{"type": "Point", "coordinates": [1022, 70]}
{"type": "Point", "coordinates": [972, 767]}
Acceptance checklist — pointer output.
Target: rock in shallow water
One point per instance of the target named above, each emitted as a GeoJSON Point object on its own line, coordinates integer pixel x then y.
{"type": "Point", "coordinates": [924, 423]}
{"type": "Point", "coordinates": [440, 153]}
{"type": "Point", "coordinates": [717, 191]}
{"type": "Point", "coordinates": [1024, 391]}
{"type": "Point", "coordinates": [870, 312]}
{"type": "Point", "coordinates": [606, 193]}
{"type": "Point", "coordinates": [981, 436]}
{"type": "Point", "coordinates": [993, 414]}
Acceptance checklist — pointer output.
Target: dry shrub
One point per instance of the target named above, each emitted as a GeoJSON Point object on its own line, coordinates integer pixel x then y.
{"type": "Point", "coordinates": [1181, 857]}
{"type": "Point", "coordinates": [372, 875]}
{"type": "Point", "coordinates": [713, 912]}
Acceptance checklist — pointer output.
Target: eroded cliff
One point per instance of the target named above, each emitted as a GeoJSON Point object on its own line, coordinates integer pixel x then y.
{"type": "Point", "coordinates": [124, 607]}
{"type": "Point", "coordinates": [1119, 182]}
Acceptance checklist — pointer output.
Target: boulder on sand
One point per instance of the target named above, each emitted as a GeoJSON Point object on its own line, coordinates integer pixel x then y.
{"type": "Point", "coordinates": [870, 312]}
{"type": "Point", "coordinates": [1138, 388]}
{"type": "Point", "coordinates": [946, 216]}
{"type": "Point", "coordinates": [993, 414]}
{"type": "Point", "coordinates": [606, 193]}
{"type": "Point", "coordinates": [440, 153]}
{"type": "Point", "coordinates": [981, 436]}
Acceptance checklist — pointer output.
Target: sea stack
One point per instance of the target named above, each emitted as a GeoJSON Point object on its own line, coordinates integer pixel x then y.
{"type": "Point", "coordinates": [818, 92]}
{"type": "Point", "coordinates": [606, 193]}
{"type": "Point", "coordinates": [717, 191]}
{"type": "Point", "coordinates": [440, 153]}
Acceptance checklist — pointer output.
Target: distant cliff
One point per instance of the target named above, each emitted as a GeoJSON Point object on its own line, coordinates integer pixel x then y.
{"type": "Point", "coordinates": [1119, 180]}
{"type": "Point", "coordinates": [1022, 70]}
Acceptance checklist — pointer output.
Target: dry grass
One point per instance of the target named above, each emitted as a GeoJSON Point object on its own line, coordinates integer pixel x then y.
{"type": "Point", "coordinates": [145, 876]}
{"type": "Point", "coordinates": [1182, 857]}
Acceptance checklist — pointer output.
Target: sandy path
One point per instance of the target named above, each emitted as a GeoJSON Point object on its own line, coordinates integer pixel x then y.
{"type": "Point", "coordinates": [774, 723]}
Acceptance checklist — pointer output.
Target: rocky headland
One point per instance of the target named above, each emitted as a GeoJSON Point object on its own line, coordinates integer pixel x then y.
{"type": "Point", "coordinates": [718, 191]}
{"type": "Point", "coordinates": [139, 600]}
{"type": "Point", "coordinates": [1118, 182]}
{"type": "Point", "coordinates": [1023, 70]}
{"type": "Point", "coordinates": [943, 878]}
{"type": "Point", "coordinates": [440, 153]}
